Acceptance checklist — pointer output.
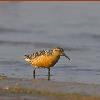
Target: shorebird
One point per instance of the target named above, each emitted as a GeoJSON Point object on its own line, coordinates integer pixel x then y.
{"type": "Point", "coordinates": [45, 59]}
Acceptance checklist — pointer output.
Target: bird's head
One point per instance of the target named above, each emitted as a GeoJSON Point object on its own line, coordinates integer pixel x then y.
{"type": "Point", "coordinates": [27, 58]}
{"type": "Point", "coordinates": [60, 51]}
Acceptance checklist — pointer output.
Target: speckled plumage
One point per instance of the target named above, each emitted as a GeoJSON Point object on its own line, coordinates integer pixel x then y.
{"type": "Point", "coordinates": [45, 58]}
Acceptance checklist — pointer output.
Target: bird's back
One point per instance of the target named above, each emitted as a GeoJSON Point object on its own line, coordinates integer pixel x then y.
{"type": "Point", "coordinates": [43, 58]}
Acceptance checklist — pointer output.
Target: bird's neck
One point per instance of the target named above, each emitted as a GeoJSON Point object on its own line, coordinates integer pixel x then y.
{"type": "Point", "coordinates": [56, 55]}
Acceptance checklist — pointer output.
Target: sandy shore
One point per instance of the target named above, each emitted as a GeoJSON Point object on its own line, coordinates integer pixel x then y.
{"type": "Point", "coordinates": [41, 89]}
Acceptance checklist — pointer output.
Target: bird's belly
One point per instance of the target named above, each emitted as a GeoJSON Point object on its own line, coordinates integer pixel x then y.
{"type": "Point", "coordinates": [45, 61]}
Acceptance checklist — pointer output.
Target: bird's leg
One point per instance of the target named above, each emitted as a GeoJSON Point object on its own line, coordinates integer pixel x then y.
{"type": "Point", "coordinates": [34, 73]}
{"type": "Point", "coordinates": [48, 73]}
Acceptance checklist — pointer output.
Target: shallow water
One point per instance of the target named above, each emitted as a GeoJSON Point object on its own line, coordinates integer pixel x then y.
{"type": "Point", "coordinates": [25, 28]}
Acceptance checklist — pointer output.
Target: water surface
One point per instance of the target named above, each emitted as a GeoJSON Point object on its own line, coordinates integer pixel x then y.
{"type": "Point", "coordinates": [25, 28]}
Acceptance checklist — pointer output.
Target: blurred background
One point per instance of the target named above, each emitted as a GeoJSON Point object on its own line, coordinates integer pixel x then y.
{"type": "Point", "coordinates": [27, 27]}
